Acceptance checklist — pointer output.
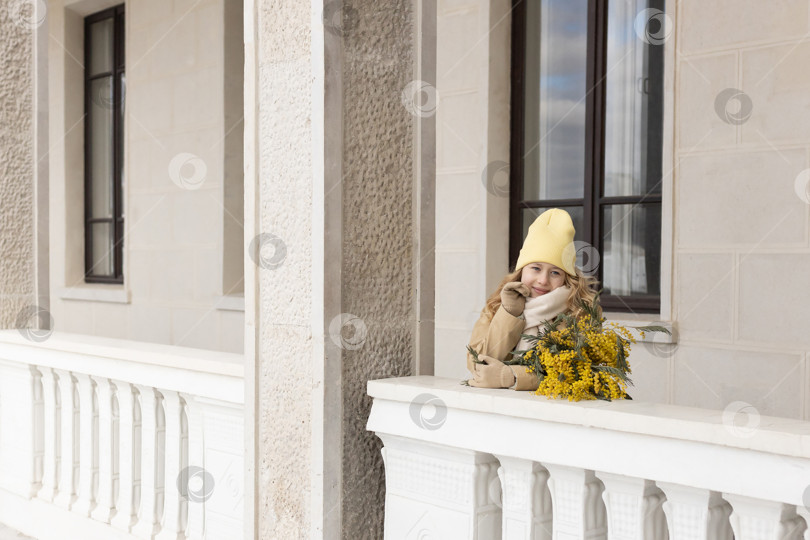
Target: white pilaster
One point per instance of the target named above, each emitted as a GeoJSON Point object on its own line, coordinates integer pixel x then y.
{"type": "Point", "coordinates": [439, 492]}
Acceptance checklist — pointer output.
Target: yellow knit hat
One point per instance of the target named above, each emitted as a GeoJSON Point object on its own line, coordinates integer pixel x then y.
{"type": "Point", "coordinates": [550, 240]}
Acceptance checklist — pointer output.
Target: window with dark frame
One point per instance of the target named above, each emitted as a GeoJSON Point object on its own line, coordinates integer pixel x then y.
{"type": "Point", "coordinates": [586, 136]}
{"type": "Point", "coordinates": [104, 89]}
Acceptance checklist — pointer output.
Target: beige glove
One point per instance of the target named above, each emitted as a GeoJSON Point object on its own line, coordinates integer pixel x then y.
{"type": "Point", "coordinates": [513, 297]}
{"type": "Point", "coordinates": [492, 374]}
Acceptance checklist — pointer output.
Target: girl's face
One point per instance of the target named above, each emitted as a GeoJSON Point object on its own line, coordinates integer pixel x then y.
{"type": "Point", "coordinates": [542, 278]}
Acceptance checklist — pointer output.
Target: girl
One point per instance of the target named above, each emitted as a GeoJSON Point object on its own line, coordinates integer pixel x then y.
{"type": "Point", "coordinates": [544, 284]}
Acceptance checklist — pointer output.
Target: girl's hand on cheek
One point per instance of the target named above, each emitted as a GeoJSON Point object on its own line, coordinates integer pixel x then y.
{"type": "Point", "coordinates": [513, 297]}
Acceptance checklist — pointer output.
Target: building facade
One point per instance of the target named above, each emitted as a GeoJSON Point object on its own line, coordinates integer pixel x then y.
{"type": "Point", "coordinates": [322, 188]}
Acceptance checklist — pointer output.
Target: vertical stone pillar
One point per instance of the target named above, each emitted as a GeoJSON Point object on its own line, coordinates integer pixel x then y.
{"type": "Point", "coordinates": [332, 254]}
{"type": "Point", "coordinates": [23, 183]}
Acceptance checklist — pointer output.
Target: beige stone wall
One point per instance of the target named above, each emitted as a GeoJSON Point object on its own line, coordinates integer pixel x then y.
{"type": "Point", "coordinates": [17, 197]}
{"type": "Point", "coordinates": [736, 209]}
{"type": "Point", "coordinates": [472, 171]}
{"type": "Point", "coordinates": [742, 209]}
{"type": "Point", "coordinates": [183, 135]}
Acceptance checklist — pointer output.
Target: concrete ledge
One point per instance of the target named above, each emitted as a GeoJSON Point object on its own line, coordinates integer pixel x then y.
{"type": "Point", "coordinates": [780, 436]}
{"type": "Point", "coordinates": [211, 374]}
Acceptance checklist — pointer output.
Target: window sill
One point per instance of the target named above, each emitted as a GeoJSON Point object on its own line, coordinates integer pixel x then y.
{"type": "Point", "coordinates": [230, 302]}
{"type": "Point", "coordinates": [628, 320]}
{"type": "Point", "coordinates": [87, 293]}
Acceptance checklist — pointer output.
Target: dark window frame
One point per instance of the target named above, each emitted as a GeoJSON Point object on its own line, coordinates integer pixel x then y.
{"type": "Point", "coordinates": [593, 200]}
{"type": "Point", "coordinates": [117, 219]}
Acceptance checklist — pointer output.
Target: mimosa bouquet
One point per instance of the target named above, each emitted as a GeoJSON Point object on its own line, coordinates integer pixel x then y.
{"type": "Point", "coordinates": [581, 357]}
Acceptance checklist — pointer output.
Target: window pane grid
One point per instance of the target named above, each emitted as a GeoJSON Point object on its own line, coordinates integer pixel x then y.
{"type": "Point", "coordinates": [621, 134]}
{"type": "Point", "coordinates": [103, 145]}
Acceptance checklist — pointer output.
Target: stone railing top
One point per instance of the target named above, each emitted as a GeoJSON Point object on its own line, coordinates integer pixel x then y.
{"type": "Point", "coordinates": [773, 435]}
{"type": "Point", "coordinates": [213, 374]}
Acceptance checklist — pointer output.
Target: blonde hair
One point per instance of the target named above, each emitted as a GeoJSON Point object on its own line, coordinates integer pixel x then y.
{"type": "Point", "coordinates": [583, 287]}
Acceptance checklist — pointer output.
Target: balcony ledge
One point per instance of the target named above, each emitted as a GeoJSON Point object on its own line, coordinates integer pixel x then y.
{"type": "Point", "coordinates": [781, 436]}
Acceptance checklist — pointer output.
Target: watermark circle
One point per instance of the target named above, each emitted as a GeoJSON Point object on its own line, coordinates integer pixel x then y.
{"type": "Point", "coordinates": [348, 331]}
{"type": "Point", "coordinates": [420, 98]}
{"type": "Point", "coordinates": [187, 170]}
{"type": "Point", "coordinates": [267, 251]}
{"type": "Point", "coordinates": [34, 323]}
{"type": "Point", "coordinates": [661, 349]}
{"type": "Point", "coordinates": [195, 484]}
{"type": "Point", "coordinates": [653, 26]}
{"type": "Point", "coordinates": [582, 255]}
{"type": "Point", "coordinates": [741, 419]}
{"type": "Point", "coordinates": [802, 186]}
{"type": "Point", "coordinates": [102, 96]}
{"type": "Point", "coordinates": [28, 14]}
{"type": "Point", "coordinates": [428, 411]}
{"type": "Point", "coordinates": [733, 106]}
{"type": "Point", "coordinates": [338, 18]}
{"type": "Point", "coordinates": [496, 178]}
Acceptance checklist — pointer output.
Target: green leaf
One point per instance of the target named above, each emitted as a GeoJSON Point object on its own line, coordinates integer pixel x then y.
{"type": "Point", "coordinates": [616, 372]}
{"type": "Point", "coordinates": [653, 328]}
{"type": "Point", "coordinates": [474, 355]}
{"type": "Point", "coordinates": [621, 360]}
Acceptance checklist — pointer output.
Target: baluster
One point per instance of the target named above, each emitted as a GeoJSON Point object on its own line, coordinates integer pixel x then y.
{"type": "Point", "coordinates": [148, 525]}
{"type": "Point", "coordinates": [196, 458]}
{"type": "Point", "coordinates": [804, 512]}
{"type": "Point", "coordinates": [88, 454]}
{"type": "Point", "coordinates": [756, 519]}
{"type": "Point", "coordinates": [633, 508]}
{"type": "Point", "coordinates": [578, 511]}
{"type": "Point", "coordinates": [50, 435]}
{"type": "Point", "coordinates": [128, 466]}
{"type": "Point", "coordinates": [526, 499]}
{"type": "Point", "coordinates": [173, 509]}
{"type": "Point", "coordinates": [106, 458]}
{"type": "Point", "coordinates": [695, 513]}
{"type": "Point", "coordinates": [67, 454]}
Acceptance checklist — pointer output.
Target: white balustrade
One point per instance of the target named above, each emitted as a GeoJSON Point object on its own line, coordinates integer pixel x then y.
{"type": "Point", "coordinates": [588, 470]}
{"type": "Point", "coordinates": [97, 437]}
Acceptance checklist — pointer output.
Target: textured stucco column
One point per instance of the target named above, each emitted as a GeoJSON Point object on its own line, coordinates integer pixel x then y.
{"type": "Point", "coordinates": [23, 178]}
{"type": "Point", "coordinates": [332, 255]}
{"type": "Point", "coordinates": [378, 229]}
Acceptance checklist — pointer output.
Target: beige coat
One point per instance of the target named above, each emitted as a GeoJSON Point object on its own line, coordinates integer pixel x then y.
{"type": "Point", "coordinates": [497, 338]}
